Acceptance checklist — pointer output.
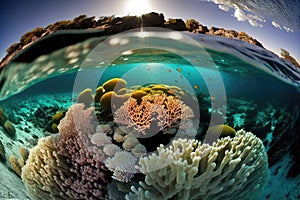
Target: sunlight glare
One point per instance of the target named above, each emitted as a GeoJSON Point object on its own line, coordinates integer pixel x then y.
{"type": "Point", "coordinates": [137, 7]}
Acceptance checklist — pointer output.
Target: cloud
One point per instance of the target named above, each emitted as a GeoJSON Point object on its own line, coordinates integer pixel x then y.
{"type": "Point", "coordinates": [284, 14]}
{"type": "Point", "coordinates": [288, 29]}
{"type": "Point", "coordinates": [223, 7]}
{"type": "Point", "coordinates": [240, 15]}
{"type": "Point", "coordinates": [252, 19]}
{"type": "Point", "coordinates": [276, 25]}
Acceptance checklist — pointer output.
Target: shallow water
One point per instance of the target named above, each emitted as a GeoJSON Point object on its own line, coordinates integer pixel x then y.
{"type": "Point", "coordinates": [224, 81]}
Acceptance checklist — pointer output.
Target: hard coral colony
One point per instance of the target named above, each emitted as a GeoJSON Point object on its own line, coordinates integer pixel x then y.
{"type": "Point", "coordinates": [102, 146]}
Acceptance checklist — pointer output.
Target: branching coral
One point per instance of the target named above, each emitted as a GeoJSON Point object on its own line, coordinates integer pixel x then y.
{"type": "Point", "coordinates": [62, 167]}
{"type": "Point", "coordinates": [44, 171]}
{"type": "Point", "coordinates": [232, 168]}
{"type": "Point", "coordinates": [159, 109]}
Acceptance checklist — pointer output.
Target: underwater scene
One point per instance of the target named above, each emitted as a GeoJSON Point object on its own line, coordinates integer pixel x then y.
{"type": "Point", "coordinates": [151, 114]}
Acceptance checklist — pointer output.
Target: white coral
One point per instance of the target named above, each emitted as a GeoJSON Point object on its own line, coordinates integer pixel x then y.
{"type": "Point", "coordinates": [232, 168]}
{"type": "Point", "coordinates": [123, 166]}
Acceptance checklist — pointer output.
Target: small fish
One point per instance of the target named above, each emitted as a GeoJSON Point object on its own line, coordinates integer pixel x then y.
{"type": "Point", "coordinates": [212, 98]}
{"type": "Point", "coordinates": [169, 70]}
{"type": "Point", "coordinates": [181, 76]}
{"type": "Point", "coordinates": [179, 69]}
{"type": "Point", "coordinates": [196, 87]}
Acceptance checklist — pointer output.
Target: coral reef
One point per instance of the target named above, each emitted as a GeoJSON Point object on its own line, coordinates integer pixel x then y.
{"type": "Point", "coordinates": [230, 168]}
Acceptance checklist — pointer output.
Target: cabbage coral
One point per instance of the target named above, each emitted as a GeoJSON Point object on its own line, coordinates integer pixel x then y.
{"type": "Point", "coordinates": [230, 168]}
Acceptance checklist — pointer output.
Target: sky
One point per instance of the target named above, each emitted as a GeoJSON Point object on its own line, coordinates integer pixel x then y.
{"type": "Point", "coordinates": [268, 27]}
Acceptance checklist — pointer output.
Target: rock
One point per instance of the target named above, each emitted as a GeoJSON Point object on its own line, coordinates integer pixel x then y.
{"type": "Point", "coordinates": [201, 29]}
{"type": "Point", "coordinates": [153, 20]}
{"type": "Point", "coordinates": [131, 22]}
{"type": "Point", "coordinates": [192, 24]}
{"type": "Point", "coordinates": [212, 30]}
{"type": "Point", "coordinates": [2, 151]}
{"type": "Point", "coordinates": [176, 24]}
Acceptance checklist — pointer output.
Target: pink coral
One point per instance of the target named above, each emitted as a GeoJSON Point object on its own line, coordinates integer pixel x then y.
{"type": "Point", "coordinates": [160, 109]}
{"type": "Point", "coordinates": [87, 176]}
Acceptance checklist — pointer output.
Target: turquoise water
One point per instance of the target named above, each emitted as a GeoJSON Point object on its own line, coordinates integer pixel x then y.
{"type": "Point", "coordinates": [223, 81]}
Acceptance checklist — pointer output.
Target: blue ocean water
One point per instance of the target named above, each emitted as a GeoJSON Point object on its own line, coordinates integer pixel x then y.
{"type": "Point", "coordinates": [233, 82]}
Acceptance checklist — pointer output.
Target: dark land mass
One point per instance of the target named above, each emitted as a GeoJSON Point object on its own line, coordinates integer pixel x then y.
{"type": "Point", "coordinates": [42, 41]}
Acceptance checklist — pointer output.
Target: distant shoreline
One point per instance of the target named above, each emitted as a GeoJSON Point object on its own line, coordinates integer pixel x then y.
{"type": "Point", "coordinates": [109, 25]}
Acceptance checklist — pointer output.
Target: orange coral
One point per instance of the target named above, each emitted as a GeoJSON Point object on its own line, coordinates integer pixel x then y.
{"type": "Point", "coordinates": [159, 109]}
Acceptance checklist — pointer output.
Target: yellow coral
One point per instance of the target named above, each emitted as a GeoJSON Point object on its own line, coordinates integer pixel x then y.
{"type": "Point", "coordinates": [24, 153]}
{"type": "Point", "coordinates": [146, 89]}
{"type": "Point", "coordinates": [57, 117]}
{"type": "Point", "coordinates": [110, 99]}
{"type": "Point", "coordinates": [3, 117]}
{"type": "Point", "coordinates": [54, 128]}
{"type": "Point", "coordinates": [105, 100]}
{"type": "Point", "coordinates": [9, 128]}
{"type": "Point", "coordinates": [160, 87]}
{"type": "Point", "coordinates": [86, 97]}
{"type": "Point", "coordinates": [98, 94]}
{"type": "Point", "coordinates": [219, 131]}
{"type": "Point", "coordinates": [138, 94]}
{"type": "Point", "coordinates": [114, 84]}
{"type": "Point", "coordinates": [15, 165]}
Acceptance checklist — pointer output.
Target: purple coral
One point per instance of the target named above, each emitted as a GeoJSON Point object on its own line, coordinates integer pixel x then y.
{"type": "Point", "coordinates": [160, 109]}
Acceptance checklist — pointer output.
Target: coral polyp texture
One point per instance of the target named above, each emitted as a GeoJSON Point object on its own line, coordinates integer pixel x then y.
{"type": "Point", "coordinates": [230, 168]}
{"type": "Point", "coordinates": [61, 166]}
{"type": "Point", "coordinates": [158, 110]}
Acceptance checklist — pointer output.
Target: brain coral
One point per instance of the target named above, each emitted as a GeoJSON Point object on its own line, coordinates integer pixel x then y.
{"type": "Point", "coordinates": [61, 166]}
{"type": "Point", "coordinates": [231, 168]}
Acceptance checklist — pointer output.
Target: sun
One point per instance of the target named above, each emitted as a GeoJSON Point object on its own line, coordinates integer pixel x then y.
{"type": "Point", "coordinates": [137, 7]}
